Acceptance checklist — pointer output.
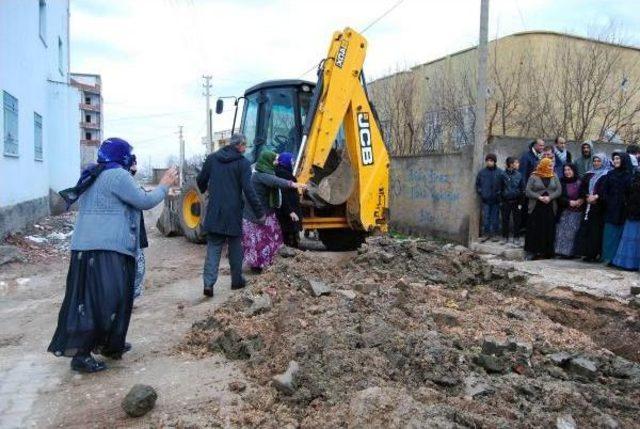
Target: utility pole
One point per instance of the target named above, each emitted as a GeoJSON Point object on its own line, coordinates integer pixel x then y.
{"type": "Point", "coordinates": [207, 93]}
{"type": "Point", "coordinates": [480, 135]}
{"type": "Point", "coordinates": [181, 155]}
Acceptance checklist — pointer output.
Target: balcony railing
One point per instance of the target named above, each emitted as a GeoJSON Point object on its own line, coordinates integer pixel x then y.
{"type": "Point", "coordinates": [90, 125]}
{"type": "Point", "coordinates": [95, 89]}
{"type": "Point", "coordinates": [90, 142]}
{"type": "Point", "coordinates": [90, 107]}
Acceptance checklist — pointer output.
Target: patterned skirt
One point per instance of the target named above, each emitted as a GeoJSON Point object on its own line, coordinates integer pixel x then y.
{"type": "Point", "coordinates": [628, 254]}
{"type": "Point", "coordinates": [566, 232]}
{"type": "Point", "coordinates": [261, 242]}
{"type": "Point", "coordinates": [140, 270]}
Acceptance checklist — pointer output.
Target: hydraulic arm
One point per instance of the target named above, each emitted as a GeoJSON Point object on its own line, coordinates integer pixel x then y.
{"type": "Point", "coordinates": [361, 180]}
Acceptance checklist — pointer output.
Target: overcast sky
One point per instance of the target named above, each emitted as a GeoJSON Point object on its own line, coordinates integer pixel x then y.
{"type": "Point", "coordinates": [152, 53]}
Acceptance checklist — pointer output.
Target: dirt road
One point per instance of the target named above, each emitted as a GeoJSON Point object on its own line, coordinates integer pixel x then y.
{"type": "Point", "coordinates": [39, 390]}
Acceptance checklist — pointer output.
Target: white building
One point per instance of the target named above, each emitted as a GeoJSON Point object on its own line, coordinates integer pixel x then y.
{"type": "Point", "coordinates": [39, 145]}
{"type": "Point", "coordinates": [90, 87]}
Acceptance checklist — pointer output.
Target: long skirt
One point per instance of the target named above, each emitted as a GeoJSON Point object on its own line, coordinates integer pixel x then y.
{"type": "Point", "coordinates": [566, 231]}
{"type": "Point", "coordinates": [141, 268]}
{"type": "Point", "coordinates": [589, 239]}
{"type": "Point", "coordinates": [96, 309]}
{"type": "Point", "coordinates": [610, 240]}
{"type": "Point", "coordinates": [261, 242]}
{"type": "Point", "coordinates": [628, 254]}
{"type": "Point", "coordinates": [541, 230]}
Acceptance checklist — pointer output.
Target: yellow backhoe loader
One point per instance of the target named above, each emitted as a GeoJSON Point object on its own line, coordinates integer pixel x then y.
{"type": "Point", "coordinates": [332, 128]}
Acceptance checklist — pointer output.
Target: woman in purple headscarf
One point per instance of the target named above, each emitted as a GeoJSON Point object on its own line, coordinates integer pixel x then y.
{"type": "Point", "coordinates": [95, 312]}
{"type": "Point", "coordinates": [289, 214]}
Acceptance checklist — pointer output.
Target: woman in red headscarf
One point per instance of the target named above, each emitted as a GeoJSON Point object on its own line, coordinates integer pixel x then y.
{"type": "Point", "coordinates": [543, 189]}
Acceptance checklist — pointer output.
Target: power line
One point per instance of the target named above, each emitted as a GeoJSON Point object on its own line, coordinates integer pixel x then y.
{"type": "Point", "coordinates": [371, 24]}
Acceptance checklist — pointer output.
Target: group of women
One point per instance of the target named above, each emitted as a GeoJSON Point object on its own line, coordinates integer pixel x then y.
{"type": "Point", "coordinates": [596, 216]}
{"type": "Point", "coordinates": [277, 190]}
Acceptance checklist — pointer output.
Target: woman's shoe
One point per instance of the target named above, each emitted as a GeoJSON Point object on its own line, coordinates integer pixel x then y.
{"type": "Point", "coordinates": [256, 270]}
{"type": "Point", "coordinates": [116, 355]}
{"type": "Point", "coordinates": [238, 286]}
{"type": "Point", "coordinates": [208, 291]}
{"type": "Point", "coordinates": [87, 364]}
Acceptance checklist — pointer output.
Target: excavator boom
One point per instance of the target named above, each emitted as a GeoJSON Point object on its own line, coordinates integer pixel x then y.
{"type": "Point", "coordinates": [341, 99]}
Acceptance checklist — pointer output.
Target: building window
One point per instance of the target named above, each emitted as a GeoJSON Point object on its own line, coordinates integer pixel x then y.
{"type": "Point", "coordinates": [42, 21]}
{"type": "Point", "coordinates": [87, 100]}
{"type": "Point", "coordinates": [87, 136]}
{"type": "Point", "coordinates": [87, 119]}
{"type": "Point", "coordinates": [10, 115]}
{"type": "Point", "coordinates": [60, 57]}
{"type": "Point", "coordinates": [37, 137]}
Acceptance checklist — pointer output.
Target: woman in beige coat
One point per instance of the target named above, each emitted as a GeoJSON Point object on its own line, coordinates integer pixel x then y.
{"type": "Point", "coordinates": [543, 189]}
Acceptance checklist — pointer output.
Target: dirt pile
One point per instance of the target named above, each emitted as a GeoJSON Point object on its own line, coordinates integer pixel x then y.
{"type": "Point", "coordinates": [410, 332]}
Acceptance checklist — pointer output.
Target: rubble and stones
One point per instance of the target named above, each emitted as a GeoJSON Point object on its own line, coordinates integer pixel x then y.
{"type": "Point", "coordinates": [406, 346]}
{"type": "Point", "coordinates": [140, 400]}
{"type": "Point", "coordinates": [286, 382]}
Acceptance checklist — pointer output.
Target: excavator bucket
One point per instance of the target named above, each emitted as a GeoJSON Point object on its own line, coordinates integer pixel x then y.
{"type": "Point", "coordinates": [336, 188]}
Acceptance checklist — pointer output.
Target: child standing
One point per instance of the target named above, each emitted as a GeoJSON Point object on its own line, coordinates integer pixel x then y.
{"type": "Point", "coordinates": [512, 194]}
{"type": "Point", "coordinates": [488, 188]}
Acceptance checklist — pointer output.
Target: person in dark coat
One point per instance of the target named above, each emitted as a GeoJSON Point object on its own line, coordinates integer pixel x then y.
{"type": "Point", "coordinates": [634, 152]}
{"type": "Point", "coordinates": [570, 208]}
{"type": "Point", "coordinates": [628, 252]}
{"type": "Point", "coordinates": [528, 163]}
{"type": "Point", "coordinates": [614, 187]}
{"type": "Point", "coordinates": [226, 174]}
{"type": "Point", "coordinates": [289, 214]}
{"type": "Point", "coordinates": [549, 152]}
{"type": "Point", "coordinates": [488, 184]}
{"type": "Point", "coordinates": [589, 239]}
{"type": "Point", "coordinates": [563, 156]}
{"type": "Point", "coordinates": [511, 195]}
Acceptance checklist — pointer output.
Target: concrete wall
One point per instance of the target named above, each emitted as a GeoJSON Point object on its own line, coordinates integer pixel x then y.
{"type": "Point", "coordinates": [31, 71]}
{"type": "Point", "coordinates": [431, 195]}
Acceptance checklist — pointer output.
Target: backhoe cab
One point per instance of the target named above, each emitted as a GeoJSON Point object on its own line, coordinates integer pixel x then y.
{"type": "Point", "coordinates": [332, 131]}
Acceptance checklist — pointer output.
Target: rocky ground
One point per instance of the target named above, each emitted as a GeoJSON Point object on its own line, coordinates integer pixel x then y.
{"type": "Point", "coordinates": [408, 334]}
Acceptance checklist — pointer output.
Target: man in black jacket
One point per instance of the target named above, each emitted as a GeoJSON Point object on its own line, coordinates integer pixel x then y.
{"type": "Point", "coordinates": [226, 174]}
{"type": "Point", "coordinates": [512, 195]}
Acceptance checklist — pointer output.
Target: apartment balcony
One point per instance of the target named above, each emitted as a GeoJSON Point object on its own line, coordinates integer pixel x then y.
{"type": "Point", "coordinates": [90, 142]}
{"type": "Point", "coordinates": [90, 125]}
{"type": "Point", "coordinates": [90, 107]}
{"type": "Point", "coordinates": [94, 89]}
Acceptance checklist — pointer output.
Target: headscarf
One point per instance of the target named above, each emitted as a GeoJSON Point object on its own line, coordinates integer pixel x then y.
{"type": "Point", "coordinates": [544, 169]}
{"type": "Point", "coordinates": [573, 179]}
{"type": "Point", "coordinates": [265, 162]}
{"type": "Point", "coordinates": [113, 153]}
{"type": "Point", "coordinates": [285, 160]}
{"type": "Point", "coordinates": [599, 173]}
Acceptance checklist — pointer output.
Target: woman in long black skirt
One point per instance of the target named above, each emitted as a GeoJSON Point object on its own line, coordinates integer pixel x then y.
{"type": "Point", "coordinates": [96, 310]}
{"type": "Point", "coordinates": [543, 189]}
{"type": "Point", "coordinates": [589, 244]}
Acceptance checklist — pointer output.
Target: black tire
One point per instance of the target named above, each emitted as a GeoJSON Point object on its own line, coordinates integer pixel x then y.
{"type": "Point", "coordinates": [193, 205]}
{"type": "Point", "coordinates": [339, 240]}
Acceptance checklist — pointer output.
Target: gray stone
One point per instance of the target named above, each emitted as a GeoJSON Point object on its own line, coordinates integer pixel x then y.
{"type": "Point", "coordinates": [237, 386]}
{"type": "Point", "coordinates": [560, 358]}
{"type": "Point", "coordinates": [387, 257]}
{"type": "Point", "coordinates": [367, 288]}
{"type": "Point", "coordinates": [513, 254]}
{"type": "Point", "coordinates": [520, 346]}
{"type": "Point", "coordinates": [261, 304]}
{"type": "Point", "coordinates": [635, 290]}
{"type": "Point", "coordinates": [319, 288]}
{"type": "Point", "coordinates": [514, 313]}
{"type": "Point", "coordinates": [635, 302]}
{"type": "Point", "coordinates": [556, 372]}
{"type": "Point", "coordinates": [460, 248]}
{"type": "Point", "coordinates": [475, 388]}
{"type": "Point", "coordinates": [493, 346]}
{"type": "Point", "coordinates": [140, 400]}
{"type": "Point", "coordinates": [10, 254]}
{"type": "Point", "coordinates": [349, 294]}
{"type": "Point", "coordinates": [582, 367]}
{"type": "Point", "coordinates": [607, 422]}
{"type": "Point", "coordinates": [446, 318]}
{"type": "Point", "coordinates": [565, 421]}
{"type": "Point", "coordinates": [491, 364]}
{"type": "Point", "coordinates": [444, 380]}
{"type": "Point", "coordinates": [288, 252]}
{"type": "Point", "coordinates": [286, 382]}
